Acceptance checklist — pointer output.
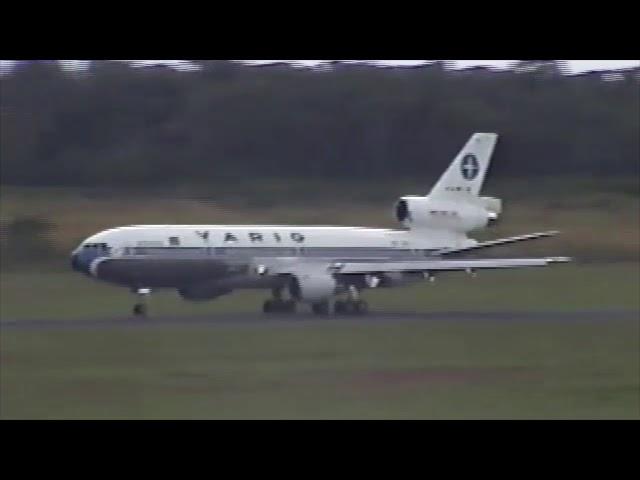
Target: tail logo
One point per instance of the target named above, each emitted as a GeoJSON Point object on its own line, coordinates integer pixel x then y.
{"type": "Point", "coordinates": [469, 167]}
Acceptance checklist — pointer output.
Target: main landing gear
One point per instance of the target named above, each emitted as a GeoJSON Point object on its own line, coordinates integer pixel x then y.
{"type": "Point", "coordinates": [277, 304]}
{"type": "Point", "coordinates": [324, 307]}
{"type": "Point", "coordinates": [340, 307]}
{"type": "Point", "coordinates": [352, 305]}
{"type": "Point", "coordinates": [141, 307]}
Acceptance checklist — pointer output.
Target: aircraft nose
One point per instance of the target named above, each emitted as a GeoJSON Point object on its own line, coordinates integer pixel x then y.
{"type": "Point", "coordinates": [75, 262]}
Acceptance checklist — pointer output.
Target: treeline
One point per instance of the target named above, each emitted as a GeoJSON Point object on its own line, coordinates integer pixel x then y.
{"type": "Point", "coordinates": [117, 125]}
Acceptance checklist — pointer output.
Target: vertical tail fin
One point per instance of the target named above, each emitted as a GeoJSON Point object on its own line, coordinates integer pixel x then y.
{"type": "Point", "coordinates": [466, 173]}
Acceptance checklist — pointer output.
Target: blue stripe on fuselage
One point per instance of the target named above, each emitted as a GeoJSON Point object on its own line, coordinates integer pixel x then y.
{"type": "Point", "coordinates": [82, 259]}
{"type": "Point", "coordinates": [304, 251]}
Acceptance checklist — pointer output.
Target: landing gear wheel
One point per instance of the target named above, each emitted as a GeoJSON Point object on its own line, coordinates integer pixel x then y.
{"type": "Point", "coordinates": [140, 310]}
{"type": "Point", "coordinates": [288, 306]}
{"type": "Point", "coordinates": [360, 307]}
{"type": "Point", "coordinates": [321, 308]}
{"type": "Point", "coordinates": [351, 307]}
{"type": "Point", "coordinates": [267, 306]}
{"type": "Point", "coordinates": [274, 305]}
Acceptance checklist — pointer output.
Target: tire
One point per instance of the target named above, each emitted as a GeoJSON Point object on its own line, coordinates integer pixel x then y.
{"type": "Point", "coordinates": [320, 308]}
{"type": "Point", "coordinates": [140, 310]}
{"type": "Point", "coordinates": [349, 307]}
{"type": "Point", "coordinates": [267, 306]}
{"type": "Point", "coordinates": [289, 306]}
{"type": "Point", "coordinates": [279, 306]}
{"type": "Point", "coordinates": [361, 307]}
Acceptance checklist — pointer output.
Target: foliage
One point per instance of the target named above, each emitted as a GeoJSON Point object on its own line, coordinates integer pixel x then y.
{"type": "Point", "coordinates": [121, 125]}
{"type": "Point", "coordinates": [26, 240]}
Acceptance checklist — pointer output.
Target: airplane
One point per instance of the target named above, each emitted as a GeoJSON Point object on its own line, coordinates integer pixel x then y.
{"type": "Point", "coordinates": [326, 267]}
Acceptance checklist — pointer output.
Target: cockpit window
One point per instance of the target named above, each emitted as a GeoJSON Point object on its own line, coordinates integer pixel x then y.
{"type": "Point", "coordinates": [402, 211]}
{"type": "Point", "coordinates": [102, 247]}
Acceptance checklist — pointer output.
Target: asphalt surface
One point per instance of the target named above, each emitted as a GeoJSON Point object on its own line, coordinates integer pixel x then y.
{"type": "Point", "coordinates": [310, 319]}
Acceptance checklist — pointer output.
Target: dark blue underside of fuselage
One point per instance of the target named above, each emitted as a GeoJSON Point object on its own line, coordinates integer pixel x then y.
{"type": "Point", "coordinates": [179, 267]}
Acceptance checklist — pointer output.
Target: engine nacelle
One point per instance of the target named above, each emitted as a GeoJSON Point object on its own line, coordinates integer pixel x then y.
{"type": "Point", "coordinates": [205, 291]}
{"type": "Point", "coordinates": [491, 204]}
{"type": "Point", "coordinates": [383, 280]}
{"type": "Point", "coordinates": [312, 287]}
{"type": "Point", "coordinates": [494, 207]}
{"type": "Point", "coordinates": [416, 212]}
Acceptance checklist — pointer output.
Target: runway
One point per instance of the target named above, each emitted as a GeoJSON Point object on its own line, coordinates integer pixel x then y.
{"type": "Point", "coordinates": [257, 319]}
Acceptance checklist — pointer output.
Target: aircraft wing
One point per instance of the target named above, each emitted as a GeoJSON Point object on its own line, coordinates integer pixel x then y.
{"type": "Point", "coordinates": [275, 266]}
{"type": "Point", "coordinates": [443, 265]}
{"type": "Point", "coordinates": [494, 243]}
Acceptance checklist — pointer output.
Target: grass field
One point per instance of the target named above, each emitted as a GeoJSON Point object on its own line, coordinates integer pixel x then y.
{"type": "Point", "coordinates": [334, 368]}
{"type": "Point", "coordinates": [326, 370]}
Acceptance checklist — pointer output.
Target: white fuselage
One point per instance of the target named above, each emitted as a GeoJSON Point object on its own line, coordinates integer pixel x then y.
{"type": "Point", "coordinates": [172, 256]}
{"type": "Point", "coordinates": [127, 240]}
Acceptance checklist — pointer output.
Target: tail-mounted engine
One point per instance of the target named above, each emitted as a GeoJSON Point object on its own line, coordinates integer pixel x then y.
{"type": "Point", "coordinates": [472, 213]}
{"type": "Point", "coordinates": [494, 208]}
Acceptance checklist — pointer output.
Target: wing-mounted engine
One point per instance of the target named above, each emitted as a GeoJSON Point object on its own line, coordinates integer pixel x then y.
{"type": "Point", "coordinates": [313, 287]}
{"type": "Point", "coordinates": [382, 279]}
{"type": "Point", "coordinates": [459, 215]}
{"type": "Point", "coordinates": [494, 208]}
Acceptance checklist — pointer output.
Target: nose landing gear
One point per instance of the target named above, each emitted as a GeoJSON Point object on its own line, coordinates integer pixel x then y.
{"type": "Point", "coordinates": [141, 308]}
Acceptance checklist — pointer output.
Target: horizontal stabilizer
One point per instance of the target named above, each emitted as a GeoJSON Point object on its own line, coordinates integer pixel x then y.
{"type": "Point", "coordinates": [495, 243]}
